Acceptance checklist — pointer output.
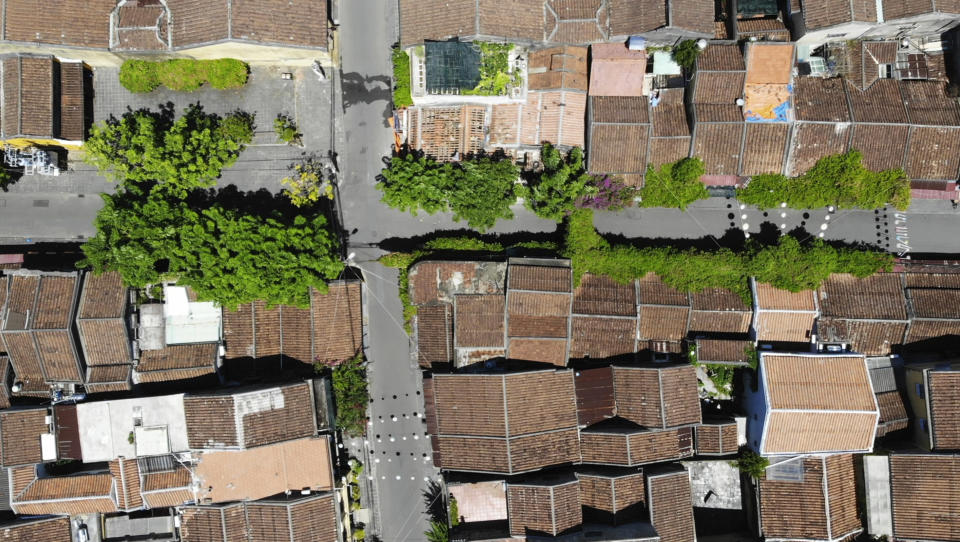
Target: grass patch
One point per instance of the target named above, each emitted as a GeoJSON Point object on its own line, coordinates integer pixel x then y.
{"type": "Point", "coordinates": [183, 74]}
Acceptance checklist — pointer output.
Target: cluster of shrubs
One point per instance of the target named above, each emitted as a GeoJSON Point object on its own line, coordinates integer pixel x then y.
{"type": "Point", "coordinates": [183, 74]}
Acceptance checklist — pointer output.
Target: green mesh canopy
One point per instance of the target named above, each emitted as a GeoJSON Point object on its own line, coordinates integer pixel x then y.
{"type": "Point", "coordinates": [451, 66]}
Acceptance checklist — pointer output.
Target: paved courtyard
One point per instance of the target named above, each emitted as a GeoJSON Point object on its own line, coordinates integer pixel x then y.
{"type": "Point", "coordinates": [42, 208]}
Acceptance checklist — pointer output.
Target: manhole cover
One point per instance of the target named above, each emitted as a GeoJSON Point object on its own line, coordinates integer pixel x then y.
{"type": "Point", "coordinates": [41, 203]}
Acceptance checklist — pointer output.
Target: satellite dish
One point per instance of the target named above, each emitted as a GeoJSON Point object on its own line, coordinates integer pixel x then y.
{"type": "Point", "coordinates": [740, 102]}
{"type": "Point", "coordinates": [701, 44]}
{"type": "Point", "coordinates": [17, 386]}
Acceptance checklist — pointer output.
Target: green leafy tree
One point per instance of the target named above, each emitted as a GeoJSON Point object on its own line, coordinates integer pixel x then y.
{"type": "Point", "coordinates": [554, 192]}
{"type": "Point", "coordinates": [790, 266]}
{"type": "Point", "coordinates": [180, 154]}
{"type": "Point", "coordinates": [686, 53]}
{"type": "Point", "coordinates": [840, 180]}
{"type": "Point", "coordinates": [231, 254]}
{"type": "Point", "coordinates": [674, 185]}
{"type": "Point", "coordinates": [286, 129]}
{"type": "Point", "coordinates": [307, 184]}
{"type": "Point", "coordinates": [351, 395]}
{"type": "Point", "coordinates": [412, 183]}
{"type": "Point", "coordinates": [479, 190]}
{"type": "Point", "coordinates": [752, 464]}
{"type": "Point", "coordinates": [439, 532]}
{"type": "Point", "coordinates": [483, 191]}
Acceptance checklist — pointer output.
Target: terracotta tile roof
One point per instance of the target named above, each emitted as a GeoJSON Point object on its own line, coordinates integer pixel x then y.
{"type": "Point", "coordinates": [931, 280]}
{"type": "Point", "coordinates": [511, 19]}
{"type": "Point", "coordinates": [107, 378]}
{"type": "Point", "coordinates": [539, 278]}
{"type": "Point", "coordinates": [20, 431]}
{"type": "Point", "coordinates": [629, 17]}
{"type": "Point", "coordinates": [24, 359]}
{"type": "Point", "coordinates": [101, 320]}
{"type": "Point", "coordinates": [440, 281]}
{"type": "Point", "coordinates": [719, 146]}
{"type": "Point", "coordinates": [72, 101]}
{"type": "Point", "coordinates": [933, 303]}
{"type": "Point", "coordinates": [539, 404]}
{"type": "Point", "coordinates": [820, 99]}
{"type": "Point", "coordinates": [308, 518]}
{"type": "Point", "coordinates": [664, 396]}
{"type": "Point", "coordinates": [893, 413]}
{"type": "Point", "coordinates": [479, 321]}
{"type": "Point", "coordinates": [898, 9]}
{"type": "Point", "coordinates": [594, 390]}
{"type": "Point", "coordinates": [717, 438]}
{"type": "Point", "coordinates": [558, 68]}
{"type": "Point", "coordinates": [448, 131]}
{"type": "Point", "coordinates": [246, 419]}
{"type": "Point", "coordinates": [769, 29]}
{"type": "Point", "coordinates": [671, 511]}
{"type": "Point", "coordinates": [824, 13]}
{"type": "Point", "coordinates": [562, 117]}
{"type": "Point", "coordinates": [618, 148]}
{"type": "Point", "coordinates": [195, 21]}
{"type": "Point", "coordinates": [126, 473]}
{"type": "Point", "coordinates": [597, 337]}
{"type": "Point", "coordinates": [226, 523]}
{"type": "Point", "coordinates": [882, 102]}
{"type": "Point", "coordinates": [264, 471]}
{"type": "Point", "coordinates": [77, 494]}
{"type": "Point", "coordinates": [764, 148]}
{"type": "Point", "coordinates": [719, 322]}
{"type": "Point", "coordinates": [176, 362]}
{"type": "Point", "coordinates": [651, 290]}
{"type": "Point", "coordinates": [933, 153]}
{"type": "Point", "coordinates": [944, 404]}
{"type": "Point", "coordinates": [873, 338]}
{"type": "Point", "coordinates": [878, 297]}
{"type": "Point", "coordinates": [537, 314]}
{"type": "Point", "coordinates": [80, 23]}
{"type": "Point", "coordinates": [576, 31]}
{"type": "Point", "coordinates": [5, 370]}
{"type": "Point", "coordinates": [552, 351]}
{"type": "Point", "coordinates": [922, 330]}
{"type": "Point", "coordinates": [545, 508]}
{"type": "Point", "coordinates": [659, 323]}
{"type": "Point", "coordinates": [817, 404]}
{"type": "Point", "coordinates": [921, 489]}
{"type": "Point", "coordinates": [611, 494]}
{"type": "Point", "coordinates": [617, 444]}
{"type": "Point", "coordinates": [811, 142]}
{"type": "Point", "coordinates": [723, 351]}
{"type": "Point", "coordinates": [715, 95]}
{"type": "Point", "coordinates": [620, 109]}
{"type": "Point", "coordinates": [721, 57]}
{"type": "Point", "coordinates": [770, 298]}
{"type": "Point", "coordinates": [928, 104]}
{"type": "Point", "coordinates": [434, 334]}
{"type": "Point", "coordinates": [601, 295]}
{"type": "Point", "coordinates": [436, 20]}
{"type": "Point", "coordinates": [821, 506]}
{"type": "Point", "coordinates": [882, 145]}
{"type": "Point", "coordinates": [664, 150]}
{"type": "Point", "coordinates": [692, 15]}
{"type": "Point", "coordinates": [301, 23]}
{"type": "Point", "coordinates": [53, 529]}
{"type": "Point", "coordinates": [615, 70]}
{"type": "Point", "coordinates": [669, 117]}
